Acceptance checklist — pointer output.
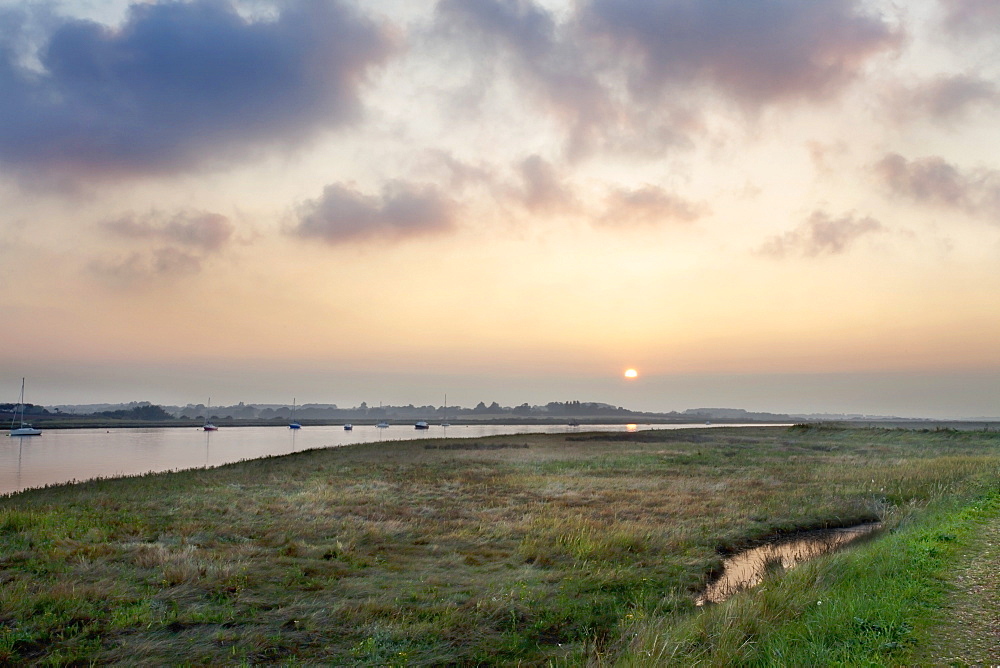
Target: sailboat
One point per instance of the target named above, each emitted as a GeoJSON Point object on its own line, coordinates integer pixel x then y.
{"type": "Point", "coordinates": [24, 429]}
{"type": "Point", "coordinates": [383, 424]}
{"type": "Point", "coordinates": [208, 426]}
{"type": "Point", "coordinates": [445, 422]}
{"type": "Point", "coordinates": [293, 424]}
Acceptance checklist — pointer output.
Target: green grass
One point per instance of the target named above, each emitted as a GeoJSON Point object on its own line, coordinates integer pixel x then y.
{"type": "Point", "coordinates": [873, 605]}
{"type": "Point", "coordinates": [566, 550]}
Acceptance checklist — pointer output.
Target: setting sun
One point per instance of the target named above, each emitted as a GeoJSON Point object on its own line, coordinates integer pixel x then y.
{"type": "Point", "coordinates": [631, 373]}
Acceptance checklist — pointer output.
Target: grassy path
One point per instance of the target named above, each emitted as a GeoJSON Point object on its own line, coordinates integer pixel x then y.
{"type": "Point", "coordinates": [969, 634]}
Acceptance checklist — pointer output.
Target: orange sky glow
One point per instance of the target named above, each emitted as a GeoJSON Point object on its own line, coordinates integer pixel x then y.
{"type": "Point", "coordinates": [511, 201]}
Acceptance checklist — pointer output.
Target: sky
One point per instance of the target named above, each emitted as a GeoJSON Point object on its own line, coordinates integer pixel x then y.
{"type": "Point", "coordinates": [773, 205]}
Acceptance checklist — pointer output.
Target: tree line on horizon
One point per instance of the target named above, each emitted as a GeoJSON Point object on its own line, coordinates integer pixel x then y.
{"type": "Point", "coordinates": [145, 411]}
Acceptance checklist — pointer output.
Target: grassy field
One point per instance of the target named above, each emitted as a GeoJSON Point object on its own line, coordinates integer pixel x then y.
{"type": "Point", "coordinates": [533, 550]}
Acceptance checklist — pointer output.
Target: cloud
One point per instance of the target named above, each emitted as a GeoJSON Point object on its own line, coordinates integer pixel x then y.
{"type": "Point", "coordinates": [821, 234]}
{"type": "Point", "coordinates": [946, 97]}
{"type": "Point", "coordinates": [542, 54]}
{"type": "Point", "coordinates": [178, 245]}
{"type": "Point", "coordinates": [630, 74]}
{"type": "Point", "coordinates": [926, 180]}
{"type": "Point", "coordinates": [933, 180]}
{"type": "Point", "coordinates": [139, 268]}
{"type": "Point", "coordinates": [521, 25]}
{"type": "Point", "coordinates": [756, 53]}
{"type": "Point", "coordinates": [825, 156]}
{"type": "Point", "coordinates": [971, 17]}
{"type": "Point", "coordinates": [180, 84]}
{"type": "Point", "coordinates": [649, 205]}
{"type": "Point", "coordinates": [543, 187]}
{"type": "Point", "coordinates": [204, 231]}
{"type": "Point", "coordinates": [343, 215]}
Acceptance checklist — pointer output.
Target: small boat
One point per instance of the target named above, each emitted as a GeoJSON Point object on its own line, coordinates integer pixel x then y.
{"type": "Point", "coordinates": [293, 424]}
{"type": "Point", "coordinates": [444, 412]}
{"type": "Point", "coordinates": [382, 425]}
{"type": "Point", "coordinates": [208, 426]}
{"type": "Point", "coordinates": [421, 425]}
{"type": "Point", "coordinates": [348, 427]}
{"type": "Point", "coordinates": [24, 429]}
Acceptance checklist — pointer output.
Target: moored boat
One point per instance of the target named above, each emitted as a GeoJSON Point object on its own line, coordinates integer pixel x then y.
{"type": "Point", "coordinates": [24, 429]}
{"type": "Point", "coordinates": [208, 426]}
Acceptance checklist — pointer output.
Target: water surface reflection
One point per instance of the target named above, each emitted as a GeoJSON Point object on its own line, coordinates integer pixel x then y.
{"type": "Point", "coordinates": [64, 455]}
{"type": "Point", "coordinates": [747, 569]}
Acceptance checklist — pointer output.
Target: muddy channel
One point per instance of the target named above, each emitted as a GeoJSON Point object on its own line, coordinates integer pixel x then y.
{"type": "Point", "coordinates": [747, 569]}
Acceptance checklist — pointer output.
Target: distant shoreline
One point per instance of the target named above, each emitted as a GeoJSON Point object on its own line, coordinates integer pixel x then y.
{"type": "Point", "coordinates": [86, 422]}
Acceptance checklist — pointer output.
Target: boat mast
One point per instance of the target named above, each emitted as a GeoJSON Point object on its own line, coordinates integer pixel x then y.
{"type": "Point", "coordinates": [13, 413]}
{"type": "Point", "coordinates": [20, 407]}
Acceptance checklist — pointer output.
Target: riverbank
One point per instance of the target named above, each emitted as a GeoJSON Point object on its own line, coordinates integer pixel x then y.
{"type": "Point", "coordinates": [86, 422]}
{"type": "Point", "coordinates": [570, 548]}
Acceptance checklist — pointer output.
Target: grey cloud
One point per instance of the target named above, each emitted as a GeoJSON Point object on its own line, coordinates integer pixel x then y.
{"type": "Point", "coordinates": [200, 230]}
{"type": "Point", "coordinates": [137, 268]}
{"type": "Point", "coordinates": [533, 183]}
{"type": "Point", "coordinates": [174, 261]}
{"type": "Point", "coordinates": [542, 54]}
{"type": "Point", "coordinates": [971, 17]}
{"type": "Point", "coordinates": [947, 97]}
{"type": "Point", "coordinates": [627, 74]}
{"type": "Point", "coordinates": [933, 180]}
{"type": "Point", "coordinates": [821, 234]}
{"type": "Point", "coordinates": [526, 28]}
{"type": "Point", "coordinates": [342, 214]}
{"type": "Point", "coordinates": [927, 180]}
{"type": "Point", "coordinates": [181, 84]}
{"type": "Point", "coordinates": [177, 244]}
{"type": "Point", "coordinates": [649, 205]}
{"type": "Point", "coordinates": [458, 174]}
{"type": "Point", "coordinates": [543, 187]}
{"type": "Point", "coordinates": [757, 52]}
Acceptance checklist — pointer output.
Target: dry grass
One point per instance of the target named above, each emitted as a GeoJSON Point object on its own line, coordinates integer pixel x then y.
{"type": "Point", "coordinates": [400, 553]}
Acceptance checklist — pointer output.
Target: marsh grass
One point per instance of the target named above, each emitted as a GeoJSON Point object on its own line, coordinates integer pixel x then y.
{"type": "Point", "coordinates": [564, 550]}
{"type": "Point", "coordinates": [877, 604]}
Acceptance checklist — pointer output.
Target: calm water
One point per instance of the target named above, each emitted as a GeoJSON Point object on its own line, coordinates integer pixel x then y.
{"type": "Point", "coordinates": [748, 569]}
{"type": "Point", "coordinates": [64, 455]}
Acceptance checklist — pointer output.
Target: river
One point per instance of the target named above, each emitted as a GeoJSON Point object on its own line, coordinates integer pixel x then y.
{"type": "Point", "coordinates": [66, 455]}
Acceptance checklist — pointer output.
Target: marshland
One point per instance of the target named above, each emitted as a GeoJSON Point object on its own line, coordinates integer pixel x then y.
{"type": "Point", "coordinates": [545, 549]}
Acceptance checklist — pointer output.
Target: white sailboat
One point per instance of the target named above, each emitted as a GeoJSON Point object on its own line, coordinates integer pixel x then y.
{"type": "Point", "coordinates": [24, 429]}
{"type": "Point", "coordinates": [208, 426]}
{"type": "Point", "coordinates": [445, 422]}
{"type": "Point", "coordinates": [293, 424]}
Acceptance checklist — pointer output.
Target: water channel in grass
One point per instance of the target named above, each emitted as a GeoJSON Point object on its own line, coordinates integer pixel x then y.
{"type": "Point", "coordinates": [749, 568]}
